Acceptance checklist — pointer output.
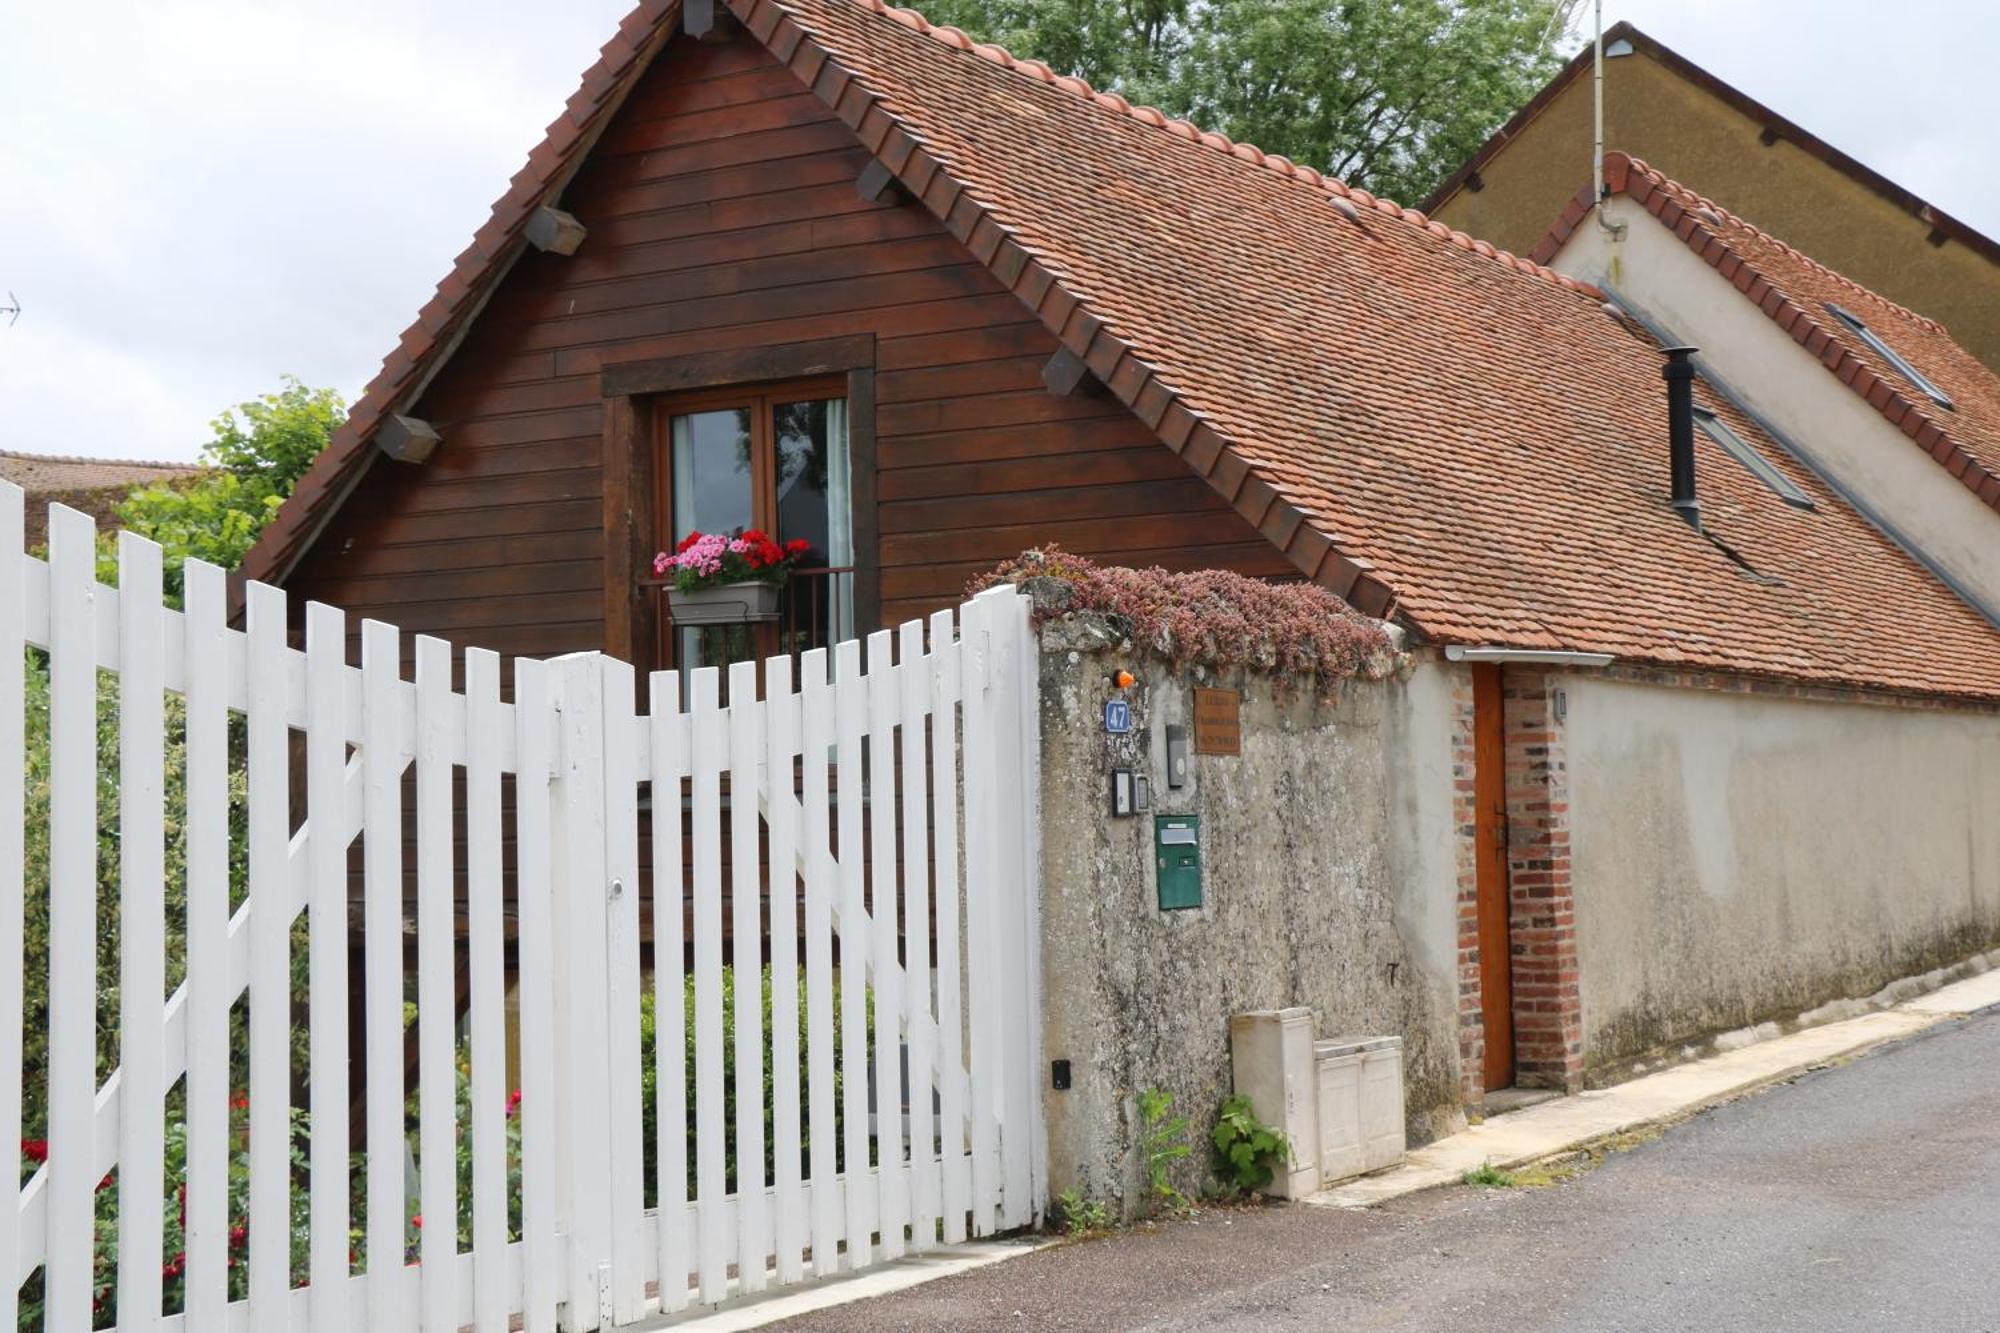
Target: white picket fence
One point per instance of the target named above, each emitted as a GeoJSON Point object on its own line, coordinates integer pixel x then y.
{"type": "Point", "coordinates": [894, 798]}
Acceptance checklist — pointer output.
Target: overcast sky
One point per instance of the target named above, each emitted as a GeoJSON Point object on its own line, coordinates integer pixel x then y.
{"type": "Point", "coordinates": [198, 197]}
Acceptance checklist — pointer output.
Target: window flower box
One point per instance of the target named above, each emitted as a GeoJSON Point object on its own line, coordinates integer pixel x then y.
{"type": "Point", "coordinates": [724, 604]}
{"type": "Point", "coordinates": [718, 580]}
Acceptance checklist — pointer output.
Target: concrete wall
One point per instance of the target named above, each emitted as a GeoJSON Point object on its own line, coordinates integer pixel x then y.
{"type": "Point", "coordinates": [1838, 431]}
{"type": "Point", "coordinates": [1329, 873]}
{"type": "Point", "coordinates": [1700, 140]}
{"type": "Point", "coordinates": [1744, 857]}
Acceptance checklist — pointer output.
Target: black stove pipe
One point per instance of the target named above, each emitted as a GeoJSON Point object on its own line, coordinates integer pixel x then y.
{"type": "Point", "coordinates": [1678, 372]}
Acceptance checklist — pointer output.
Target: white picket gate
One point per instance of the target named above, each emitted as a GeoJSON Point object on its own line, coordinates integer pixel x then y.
{"type": "Point", "coordinates": [883, 813]}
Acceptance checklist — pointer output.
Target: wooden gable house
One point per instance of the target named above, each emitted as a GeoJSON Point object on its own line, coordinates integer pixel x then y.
{"type": "Point", "coordinates": [736, 318]}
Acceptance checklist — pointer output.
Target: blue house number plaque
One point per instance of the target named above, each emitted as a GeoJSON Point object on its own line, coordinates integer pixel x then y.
{"type": "Point", "coordinates": [1117, 716]}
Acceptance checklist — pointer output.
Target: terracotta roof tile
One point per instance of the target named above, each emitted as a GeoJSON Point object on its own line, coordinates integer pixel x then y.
{"type": "Point", "coordinates": [1419, 421]}
{"type": "Point", "coordinates": [1455, 426]}
{"type": "Point", "coordinates": [45, 474]}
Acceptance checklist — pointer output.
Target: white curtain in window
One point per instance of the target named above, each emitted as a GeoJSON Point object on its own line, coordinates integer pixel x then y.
{"type": "Point", "coordinates": [682, 454]}
{"type": "Point", "coordinates": [840, 516]}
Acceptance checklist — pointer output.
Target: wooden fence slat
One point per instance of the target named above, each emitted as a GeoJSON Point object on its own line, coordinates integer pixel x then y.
{"type": "Point", "coordinates": [1008, 680]}
{"type": "Point", "coordinates": [327, 944]}
{"type": "Point", "coordinates": [437, 978]}
{"type": "Point", "coordinates": [745, 888]}
{"type": "Point", "coordinates": [204, 1285]}
{"type": "Point", "coordinates": [270, 962]}
{"type": "Point", "coordinates": [781, 746]}
{"type": "Point", "coordinates": [72, 918]}
{"type": "Point", "coordinates": [541, 1260]}
{"type": "Point", "coordinates": [382, 921]}
{"type": "Point", "coordinates": [713, 1259]}
{"type": "Point", "coordinates": [582, 924]}
{"type": "Point", "coordinates": [627, 1202]}
{"type": "Point", "coordinates": [983, 991]}
{"type": "Point", "coordinates": [486, 990]}
{"type": "Point", "coordinates": [669, 761]}
{"type": "Point", "coordinates": [883, 707]}
{"type": "Point", "coordinates": [851, 714]}
{"type": "Point", "coordinates": [142, 937]}
{"type": "Point", "coordinates": [13, 842]}
{"type": "Point", "coordinates": [923, 1197]}
{"type": "Point", "coordinates": [956, 1184]}
{"type": "Point", "coordinates": [817, 735]}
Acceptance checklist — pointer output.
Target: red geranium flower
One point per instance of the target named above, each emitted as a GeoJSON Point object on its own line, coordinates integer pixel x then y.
{"type": "Point", "coordinates": [687, 541]}
{"type": "Point", "coordinates": [797, 546]}
{"type": "Point", "coordinates": [35, 1150]}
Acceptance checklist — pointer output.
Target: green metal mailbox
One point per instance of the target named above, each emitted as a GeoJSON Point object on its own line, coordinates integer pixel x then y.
{"type": "Point", "coordinates": [1177, 854]}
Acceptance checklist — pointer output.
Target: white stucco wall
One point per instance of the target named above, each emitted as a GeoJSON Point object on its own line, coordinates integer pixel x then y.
{"type": "Point", "coordinates": [1740, 857]}
{"type": "Point", "coordinates": [1850, 441]}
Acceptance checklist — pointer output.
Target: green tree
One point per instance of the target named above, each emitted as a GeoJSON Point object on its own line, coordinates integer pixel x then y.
{"type": "Point", "coordinates": [1388, 95]}
{"type": "Point", "coordinates": [259, 451]}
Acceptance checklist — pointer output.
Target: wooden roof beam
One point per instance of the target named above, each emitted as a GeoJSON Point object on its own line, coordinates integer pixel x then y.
{"type": "Point", "coordinates": [707, 21]}
{"type": "Point", "coordinates": [407, 439]}
{"type": "Point", "coordinates": [1066, 375]}
{"type": "Point", "coordinates": [877, 184]}
{"type": "Point", "coordinates": [553, 231]}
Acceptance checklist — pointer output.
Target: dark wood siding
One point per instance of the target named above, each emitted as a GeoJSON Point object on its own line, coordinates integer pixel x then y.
{"type": "Point", "coordinates": [722, 214]}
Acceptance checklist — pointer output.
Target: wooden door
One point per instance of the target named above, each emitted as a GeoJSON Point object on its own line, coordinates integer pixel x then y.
{"type": "Point", "coordinates": [1496, 973]}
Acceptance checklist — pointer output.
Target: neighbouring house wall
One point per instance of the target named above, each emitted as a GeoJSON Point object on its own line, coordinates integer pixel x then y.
{"type": "Point", "coordinates": [1738, 857]}
{"type": "Point", "coordinates": [1697, 138]}
{"type": "Point", "coordinates": [1838, 430]}
{"type": "Point", "coordinates": [723, 214]}
{"type": "Point", "coordinates": [1330, 869]}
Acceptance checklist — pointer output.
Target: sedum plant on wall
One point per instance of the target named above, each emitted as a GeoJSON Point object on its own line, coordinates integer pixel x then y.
{"type": "Point", "coordinates": [1210, 617]}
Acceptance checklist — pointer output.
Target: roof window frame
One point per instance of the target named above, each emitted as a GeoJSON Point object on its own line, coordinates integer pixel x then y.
{"type": "Point", "coordinates": [1895, 359]}
{"type": "Point", "coordinates": [1725, 437]}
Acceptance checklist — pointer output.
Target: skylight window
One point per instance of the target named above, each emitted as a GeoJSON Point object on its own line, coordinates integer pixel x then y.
{"type": "Point", "coordinates": [1753, 462]}
{"type": "Point", "coordinates": [1891, 355]}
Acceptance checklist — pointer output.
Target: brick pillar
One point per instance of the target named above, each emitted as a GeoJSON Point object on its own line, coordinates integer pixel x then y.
{"type": "Point", "coordinates": [1548, 1016]}
{"type": "Point", "coordinates": [1464, 818]}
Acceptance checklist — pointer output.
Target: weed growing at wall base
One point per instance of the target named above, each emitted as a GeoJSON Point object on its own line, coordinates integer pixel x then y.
{"type": "Point", "coordinates": [1162, 1142]}
{"type": "Point", "coordinates": [1248, 1152]}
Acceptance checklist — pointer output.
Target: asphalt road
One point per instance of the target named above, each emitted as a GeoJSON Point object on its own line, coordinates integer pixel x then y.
{"type": "Point", "coordinates": [1864, 1197]}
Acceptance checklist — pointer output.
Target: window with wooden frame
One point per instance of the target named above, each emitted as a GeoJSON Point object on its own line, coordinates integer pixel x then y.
{"type": "Point", "coordinates": [775, 458]}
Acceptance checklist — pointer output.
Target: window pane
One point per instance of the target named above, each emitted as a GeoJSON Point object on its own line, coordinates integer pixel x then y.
{"type": "Point", "coordinates": [711, 472]}
{"type": "Point", "coordinates": [812, 479]}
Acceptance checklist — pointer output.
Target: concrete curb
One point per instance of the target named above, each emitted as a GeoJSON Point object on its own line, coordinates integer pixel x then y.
{"type": "Point", "coordinates": [1568, 1124]}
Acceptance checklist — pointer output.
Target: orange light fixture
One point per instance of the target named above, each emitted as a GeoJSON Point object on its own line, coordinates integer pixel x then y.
{"type": "Point", "coordinates": [1123, 679]}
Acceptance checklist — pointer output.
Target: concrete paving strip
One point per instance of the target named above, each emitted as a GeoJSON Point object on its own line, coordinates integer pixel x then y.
{"type": "Point", "coordinates": [756, 1312]}
{"type": "Point", "coordinates": [1566, 1123]}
